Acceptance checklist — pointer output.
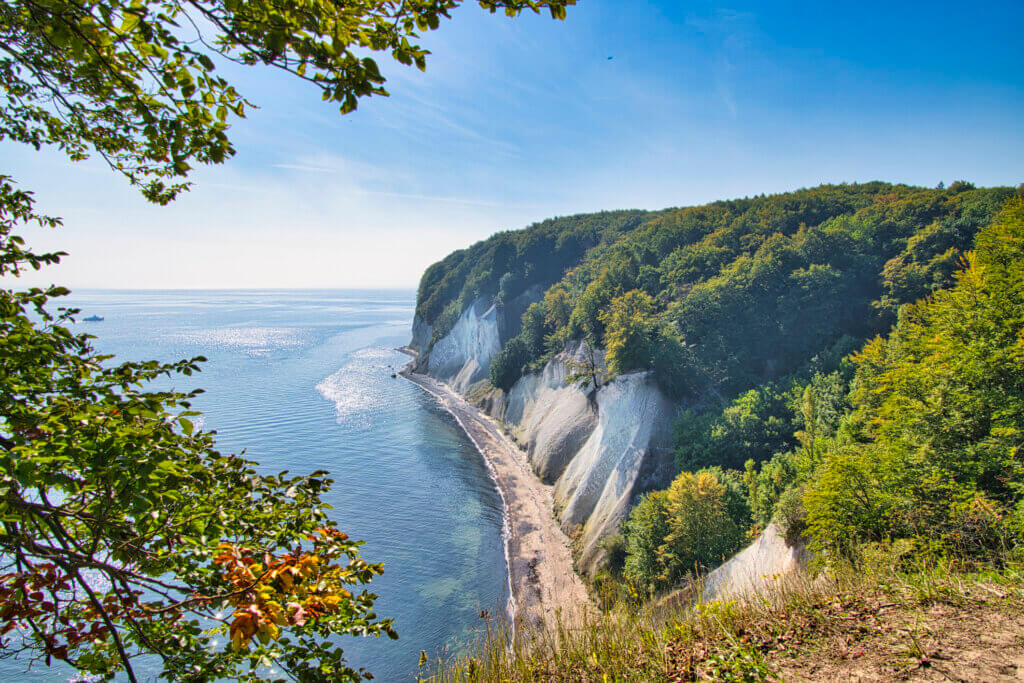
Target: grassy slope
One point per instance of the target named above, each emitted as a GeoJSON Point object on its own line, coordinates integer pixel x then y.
{"type": "Point", "coordinates": [937, 622]}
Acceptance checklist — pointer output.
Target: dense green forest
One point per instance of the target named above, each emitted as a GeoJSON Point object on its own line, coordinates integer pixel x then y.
{"type": "Point", "coordinates": [915, 440]}
{"type": "Point", "coordinates": [756, 315]}
{"type": "Point", "coordinates": [508, 263]}
{"type": "Point", "coordinates": [719, 297]}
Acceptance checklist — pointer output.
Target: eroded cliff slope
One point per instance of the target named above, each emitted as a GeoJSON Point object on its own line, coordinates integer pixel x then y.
{"type": "Point", "coordinates": [598, 448]}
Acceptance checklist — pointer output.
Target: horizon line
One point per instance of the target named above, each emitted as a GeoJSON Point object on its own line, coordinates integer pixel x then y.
{"type": "Point", "coordinates": [240, 289]}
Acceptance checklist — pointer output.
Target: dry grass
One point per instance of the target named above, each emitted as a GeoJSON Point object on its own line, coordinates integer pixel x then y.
{"type": "Point", "coordinates": [872, 622]}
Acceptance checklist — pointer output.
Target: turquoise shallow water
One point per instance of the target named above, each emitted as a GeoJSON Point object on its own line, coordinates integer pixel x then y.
{"type": "Point", "coordinates": [302, 380]}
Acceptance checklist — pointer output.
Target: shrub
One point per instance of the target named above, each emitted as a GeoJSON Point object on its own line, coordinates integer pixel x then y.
{"type": "Point", "coordinates": [702, 532]}
{"type": "Point", "coordinates": [766, 485]}
{"type": "Point", "coordinates": [645, 532]}
{"type": "Point", "coordinates": [790, 514]}
{"type": "Point", "coordinates": [614, 547]}
{"type": "Point", "coordinates": [507, 365]}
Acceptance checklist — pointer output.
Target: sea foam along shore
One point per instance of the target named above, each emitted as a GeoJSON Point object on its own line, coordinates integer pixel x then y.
{"type": "Point", "coordinates": [545, 589]}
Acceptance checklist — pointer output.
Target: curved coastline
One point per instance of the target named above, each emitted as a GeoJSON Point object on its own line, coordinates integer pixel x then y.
{"type": "Point", "coordinates": [545, 590]}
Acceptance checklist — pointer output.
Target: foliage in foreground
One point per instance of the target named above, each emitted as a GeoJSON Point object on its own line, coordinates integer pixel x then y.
{"type": "Point", "coordinates": [124, 532]}
{"type": "Point", "coordinates": [136, 81]}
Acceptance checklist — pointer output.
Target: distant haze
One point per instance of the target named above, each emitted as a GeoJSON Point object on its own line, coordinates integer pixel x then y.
{"type": "Point", "coordinates": [517, 121]}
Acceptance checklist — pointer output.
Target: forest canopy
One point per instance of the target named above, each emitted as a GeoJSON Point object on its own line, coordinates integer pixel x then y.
{"type": "Point", "coordinates": [916, 439]}
{"type": "Point", "coordinates": [735, 293]}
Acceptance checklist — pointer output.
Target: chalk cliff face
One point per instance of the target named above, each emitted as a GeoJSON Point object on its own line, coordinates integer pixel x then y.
{"type": "Point", "coordinates": [598, 448]}
{"type": "Point", "coordinates": [766, 561]}
{"type": "Point", "coordinates": [626, 453]}
{"type": "Point", "coordinates": [551, 419]}
{"type": "Point", "coordinates": [463, 356]}
{"type": "Point", "coordinates": [421, 334]}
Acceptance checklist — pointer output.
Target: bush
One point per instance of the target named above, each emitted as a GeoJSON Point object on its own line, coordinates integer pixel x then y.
{"type": "Point", "coordinates": [790, 514]}
{"type": "Point", "coordinates": [737, 504]}
{"type": "Point", "coordinates": [614, 547]}
{"type": "Point", "coordinates": [507, 365]}
{"type": "Point", "coordinates": [702, 533]}
{"type": "Point", "coordinates": [766, 486]}
{"type": "Point", "coordinates": [645, 532]}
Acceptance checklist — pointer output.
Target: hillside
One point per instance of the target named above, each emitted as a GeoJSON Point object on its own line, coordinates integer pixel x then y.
{"type": "Point", "coordinates": [752, 288]}
{"type": "Point", "coordinates": [898, 466]}
{"type": "Point", "coordinates": [510, 263]}
{"type": "Point", "coordinates": [875, 622]}
{"type": "Point", "coordinates": [587, 334]}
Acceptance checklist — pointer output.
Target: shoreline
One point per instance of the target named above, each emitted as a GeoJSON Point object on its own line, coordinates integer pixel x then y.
{"type": "Point", "coordinates": [545, 590]}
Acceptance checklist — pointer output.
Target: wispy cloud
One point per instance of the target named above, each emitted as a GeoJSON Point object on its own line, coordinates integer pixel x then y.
{"type": "Point", "coordinates": [731, 33]}
{"type": "Point", "coordinates": [307, 169]}
{"type": "Point", "coordinates": [723, 85]}
{"type": "Point", "coordinates": [448, 200]}
{"type": "Point", "coordinates": [416, 116]}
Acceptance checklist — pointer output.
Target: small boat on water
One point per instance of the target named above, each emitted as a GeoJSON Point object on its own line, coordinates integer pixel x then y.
{"type": "Point", "coordinates": [92, 319]}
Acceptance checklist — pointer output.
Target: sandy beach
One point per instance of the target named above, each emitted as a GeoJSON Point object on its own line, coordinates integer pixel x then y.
{"type": "Point", "coordinates": [545, 587]}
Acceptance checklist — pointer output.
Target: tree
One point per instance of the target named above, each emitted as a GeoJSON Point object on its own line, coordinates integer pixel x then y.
{"type": "Point", "coordinates": [135, 80]}
{"type": "Point", "coordinates": [557, 307]}
{"type": "Point", "coordinates": [932, 450]}
{"type": "Point", "coordinates": [645, 532]}
{"type": "Point", "coordinates": [629, 331]}
{"type": "Point", "coordinates": [585, 319]}
{"type": "Point", "coordinates": [585, 370]}
{"type": "Point", "coordinates": [702, 528]}
{"type": "Point", "coordinates": [123, 531]}
{"type": "Point", "coordinates": [685, 530]}
{"type": "Point", "coordinates": [507, 365]}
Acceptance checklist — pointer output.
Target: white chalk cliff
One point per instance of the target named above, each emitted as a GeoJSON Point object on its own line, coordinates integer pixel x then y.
{"type": "Point", "coordinates": [463, 356]}
{"type": "Point", "coordinates": [598, 448]}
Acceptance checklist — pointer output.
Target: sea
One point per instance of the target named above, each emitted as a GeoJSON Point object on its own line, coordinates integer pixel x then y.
{"type": "Point", "coordinates": [304, 380]}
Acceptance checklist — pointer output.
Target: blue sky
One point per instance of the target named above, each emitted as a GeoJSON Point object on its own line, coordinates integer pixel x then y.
{"type": "Point", "coordinates": [519, 120]}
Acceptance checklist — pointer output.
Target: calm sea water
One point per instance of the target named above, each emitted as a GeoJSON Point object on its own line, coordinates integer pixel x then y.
{"type": "Point", "coordinates": [302, 380]}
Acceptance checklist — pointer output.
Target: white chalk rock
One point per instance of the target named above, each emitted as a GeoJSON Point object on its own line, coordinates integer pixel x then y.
{"type": "Point", "coordinates": [421, 334]}
{"type": "Point", "coordinates": [756, 568]}
{"type": "Point", "coordinates": [463, 356]}
{"type": "Point", "coordinates": [594, 446]}
{"type": "Point", "coordinates": [596, 490]}
{"type": "Point", "coordinates": [550, 419]}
